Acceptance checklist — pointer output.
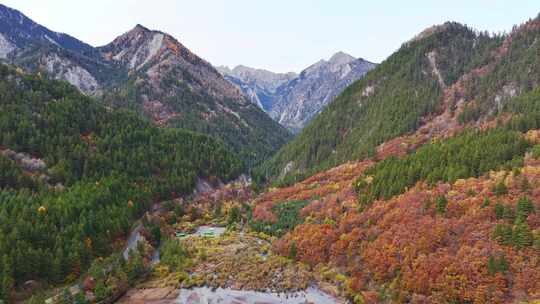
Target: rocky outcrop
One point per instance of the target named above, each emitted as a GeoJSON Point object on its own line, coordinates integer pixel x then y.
{"type": "Point", "coordinates": [26, 162]}
{"type": "Point", "coordinates": [65, 69]}
{"type": "Point", "coordinates": [6, 47]}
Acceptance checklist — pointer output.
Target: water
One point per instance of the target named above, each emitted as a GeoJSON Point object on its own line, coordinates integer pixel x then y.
{"type": "Point", "coordinates": [205, 295]}
{"type": "Point", "coordinates": [156, 257]}
{"type": "Point", "coordinates": [134, 238]}
{"type": "Point", "coordinates": [215, 231]}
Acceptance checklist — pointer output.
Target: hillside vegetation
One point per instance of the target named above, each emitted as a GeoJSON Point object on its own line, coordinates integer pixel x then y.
{"type": "Point", "coordinates": [389, 101]}
{"type": "Point", "coordinates": [99, 170]}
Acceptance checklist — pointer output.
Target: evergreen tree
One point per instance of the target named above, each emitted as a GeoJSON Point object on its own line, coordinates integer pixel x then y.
{"type": "Point", "coordinates": [441, 204]}
{"type": "Point", "coordinates": [522, 236]}
{"type": "Point", "coordinates": [524, 208]}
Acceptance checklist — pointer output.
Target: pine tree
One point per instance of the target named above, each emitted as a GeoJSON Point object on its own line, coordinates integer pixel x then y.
{"type": "Point", "coordinates": [524, 208]}
{"type": "Point", "coordinates": [441, 204]}
{"type": "Point", "coordinates": [503, 234]}
{"type": "Point", "coordinates": [522, 236]}
{"type": "Point", "coordinates": [499, 210]}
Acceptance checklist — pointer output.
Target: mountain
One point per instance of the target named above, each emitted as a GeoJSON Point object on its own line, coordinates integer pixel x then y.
{"type": "Point", "coordinates": [75, 175]}
{"type": "Point", "coordinates": [301, 99]}
{"type": "Point", "coordinates": [34, 47]}
{"type": "Point", "coordinates": [293, 100]}
{"type": "Point", "coordinates": [174, 87]}
{"type": "Point", "coordinates": [444, 80]}
{"type": "Point", "coordinates": [258, 84]}
{"type": "Point", "coordinates": [150, 72]}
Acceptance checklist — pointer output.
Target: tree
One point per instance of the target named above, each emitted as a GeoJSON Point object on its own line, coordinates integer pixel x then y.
{"type": "Point", "coordinates": [497, 264]}
{"type": "Point", "coordinates": [499, 210]}
{"type": "Point", "coordinates": [503, 234]}
{"type": "Point", "coordinates": [441, 204]}
{"type": "Point", "coordinates": [293, 251]}
{"type": "Point", "coordinates": [499, 188]}
{"type": "Point", "coordinates": [524, 208]}
{"type": "Point", "coordinates": [522, 236]}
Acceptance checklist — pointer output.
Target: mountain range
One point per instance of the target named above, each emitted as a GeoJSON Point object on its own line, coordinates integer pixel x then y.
{"type": "Point", "coordinates": [150, 72]}
{"type": "Point", "coordinates": [122, 165]}
{"type": "Point", "coordinates": [294, 99]}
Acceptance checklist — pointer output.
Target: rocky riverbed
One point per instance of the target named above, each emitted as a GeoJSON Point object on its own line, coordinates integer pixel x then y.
{"type": "Point", "coordinates": [231, 268]}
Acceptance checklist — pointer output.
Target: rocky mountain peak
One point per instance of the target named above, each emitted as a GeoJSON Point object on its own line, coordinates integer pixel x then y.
{"type": "Point", "coordinates": [340, 58]}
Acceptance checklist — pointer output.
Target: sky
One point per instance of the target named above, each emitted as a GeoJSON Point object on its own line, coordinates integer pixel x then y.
{"type": "Point", "coordinates": [277, 35]}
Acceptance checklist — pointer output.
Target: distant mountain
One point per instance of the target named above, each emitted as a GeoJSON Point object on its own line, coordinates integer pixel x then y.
{"type": "Point", "coordinates": [293, 100]}
{"type": "Point", "coordinates": [150, 72]}
{"type": "Point", "coordinates": [301, 99]}
{"type": "Point", "coordinates": [259, 85]}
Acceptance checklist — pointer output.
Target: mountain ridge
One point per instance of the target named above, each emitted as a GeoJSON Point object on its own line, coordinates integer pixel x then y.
{"type": "Point", "coordinates": [294, 99]}
{"type": "Point", "coordinates": [150, 72]}
{"type": "Point", "coordinates": [428, 80]}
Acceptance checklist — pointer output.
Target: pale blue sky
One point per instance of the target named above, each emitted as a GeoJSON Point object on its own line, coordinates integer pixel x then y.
{"type": "Point", "coordinates": [279, 35]}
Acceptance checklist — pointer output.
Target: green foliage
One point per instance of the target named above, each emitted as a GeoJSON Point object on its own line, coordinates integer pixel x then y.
{"type": "Point", "coordinates": [288, 217]}
{"type": "Point", "coordinates": [519, 71]}
{"type": "Point", "coordinates": [112, 163]}
{"type": "Point", "coordinates": [524, 208]}
{"type": "Point", "coordinates": [522, 236]}
{"type": "Point", "coordinates": [234, 216]}
{"type": "Point", "coordinates": [174, 255]}
{"type": "Point", "coordinates": [499, 188]}
{"type": "Point", "coordinates": [293, 252]}
{"type": "Point", "coordinates": [499, 210]}
{"type": "Point", "coordinates": [497, 264]}
{"type": "Point", "coordinates": [12, 176]}
{"type": "Point", "coordinates": [536, 151]}
{"type": "Point", "coordinates": [503, 234]}
{"type": "Point", "coordinates": [245, 129]}
{"type": "Point", "coordinates": [441, 204]}
{"type": "Point", "coordinates": [469, 154]}
{"type": "Point", "coordinates": [403, 90]}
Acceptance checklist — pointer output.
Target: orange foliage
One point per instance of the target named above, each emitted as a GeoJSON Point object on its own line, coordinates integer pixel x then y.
{"type": "Point", "coordinates": [437, 258]}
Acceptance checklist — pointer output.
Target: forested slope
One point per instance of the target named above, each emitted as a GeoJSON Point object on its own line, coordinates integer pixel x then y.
{"type": "Point", "coordinates": [75, 174]}
{"type": "Point", "coordinates": [449, 69]}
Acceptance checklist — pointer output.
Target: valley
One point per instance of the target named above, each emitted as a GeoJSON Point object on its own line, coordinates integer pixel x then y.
{"type": "Point", "coordinates": [137, 172]}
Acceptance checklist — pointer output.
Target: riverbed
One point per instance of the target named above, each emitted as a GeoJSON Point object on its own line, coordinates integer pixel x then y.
{"type": "Point", "coordinates": [206, 295]}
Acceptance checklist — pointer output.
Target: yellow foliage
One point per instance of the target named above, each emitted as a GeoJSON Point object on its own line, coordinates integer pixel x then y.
{"type": "Point", "coordinates": [88, 242]}
{"type": "Point", "coordinates": [42, 210]}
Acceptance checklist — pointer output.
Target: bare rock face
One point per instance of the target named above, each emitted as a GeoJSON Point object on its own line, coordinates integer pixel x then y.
{"type": "Point", "coordinates": [36, 48]}
{"type": "Point", "coordinates": [259, 85]}
{"type": "Point", "coordinates": [64, 69]}
{"type": "Point", "coordinates": [155, 55]}
{"type": "Point", "coordinates": [6, 47]}
{"type": "Point", "coordinates": [301, 99]}
{"type": "Point", "coordinates": [292, 99]}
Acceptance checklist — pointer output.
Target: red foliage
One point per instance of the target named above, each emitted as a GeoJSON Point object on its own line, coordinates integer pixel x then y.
{"type": "Point", "coordinates": [437, 258]}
